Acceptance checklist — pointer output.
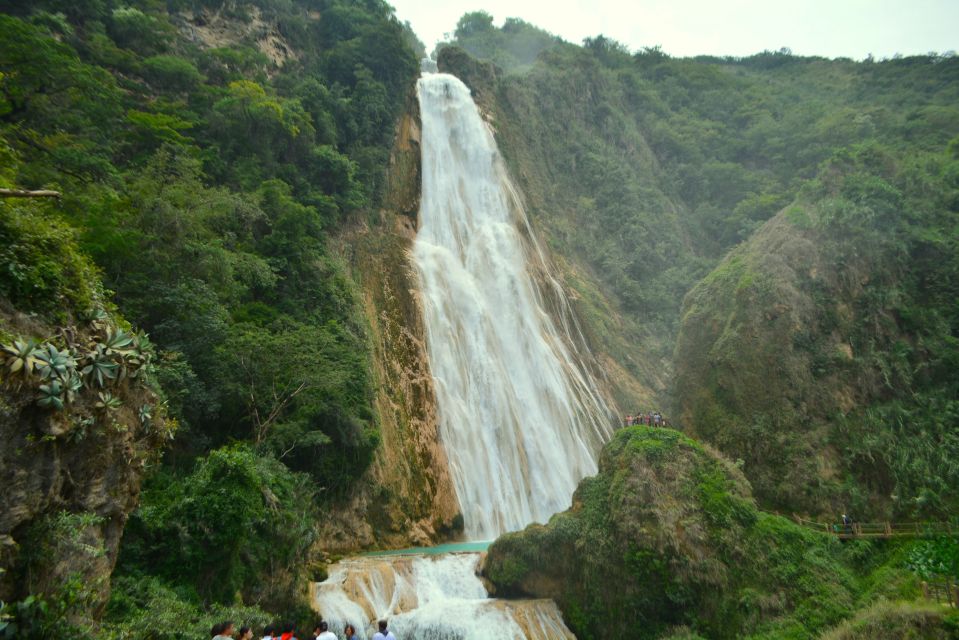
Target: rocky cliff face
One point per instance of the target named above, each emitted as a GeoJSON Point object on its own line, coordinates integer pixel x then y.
{"type": "Point", "coordinates": [408, 498]}
{"type": "Point", "coordinates": [817, 352]}
{"type": "Point", "coordinates": [70, 476]}
{"type": "Point", "coordinates": [746, 379]}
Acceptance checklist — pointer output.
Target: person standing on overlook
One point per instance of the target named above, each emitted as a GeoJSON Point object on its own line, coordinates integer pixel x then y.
{"type": "Point", "coordinates": [383, 634]}
{"type": "Point", "coordinates": [325, 633]}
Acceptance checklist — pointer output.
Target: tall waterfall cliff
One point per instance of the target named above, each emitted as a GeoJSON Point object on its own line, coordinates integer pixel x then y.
{"type": "Point", "coordinates": [520, 417]}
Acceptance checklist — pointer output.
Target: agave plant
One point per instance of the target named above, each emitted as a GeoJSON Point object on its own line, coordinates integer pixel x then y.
{"type": "Point", "coordinates": [72, 386]}
{"type": "Point", "coordinates": [21, 356]}
{"type": "Point", "coordinates": [107, 401]}
{"type": "Point", "coordinates": [53, 363]}
{"type": "Point", "coordinates": [51, 395]}
{"type": "Point", "coordinates": [146, 415]}
{"type": "Point", "coordinates": [117, 342]}
{"type": "Point", "coordinates": [100, 367]}
{"type": "Point", "coordinates": [97, 317]}
{"type": "Point", "coordinates": [138, 358]}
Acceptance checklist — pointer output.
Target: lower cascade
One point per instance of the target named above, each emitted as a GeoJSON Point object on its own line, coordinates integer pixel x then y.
{"type": "Point", "coordinates": [521, 418]}
{"type": "Point", "coordinates": [430, 598]}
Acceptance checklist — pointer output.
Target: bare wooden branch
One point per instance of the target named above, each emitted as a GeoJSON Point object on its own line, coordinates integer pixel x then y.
{"type": "Point", "coordinates": [23, 193]}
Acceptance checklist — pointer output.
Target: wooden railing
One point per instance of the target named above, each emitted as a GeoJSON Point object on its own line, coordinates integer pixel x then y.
{"type": "Point", "coordinates": [945, 591]}
{"type": "Point", "coordinates": [880, 529]}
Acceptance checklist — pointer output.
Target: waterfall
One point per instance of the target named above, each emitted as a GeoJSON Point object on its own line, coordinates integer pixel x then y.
{"type": "Point", "coordinates": [431, 599]}
{"type": "Point", "coordinates": [520, 418]}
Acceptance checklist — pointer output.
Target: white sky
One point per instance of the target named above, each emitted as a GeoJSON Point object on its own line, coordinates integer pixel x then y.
{"type": "Point", "coordinates": [831, 28]}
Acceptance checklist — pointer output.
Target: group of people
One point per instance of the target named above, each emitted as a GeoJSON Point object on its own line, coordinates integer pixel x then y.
{"type": "Point", "coordinates": [649, 419]}
{"type": "Point", "coordinates": [287, 631]}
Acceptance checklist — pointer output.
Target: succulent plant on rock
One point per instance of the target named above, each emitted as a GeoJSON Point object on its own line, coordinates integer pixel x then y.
{"type": "Point", "coordinates": [117, 341]}
{"type": "Point", "coordinates": [21, 357]}
{"type": "Point", "coordinates": [54, 363]}
{"type": "Point", "coordinates": [97, 317]}
{"type": "Point", "coordinates": [106, 401]}
{"type": "Point", "coordinates": [72, 386]}
{"type": "Point", "coordinates": [99, 367]}
{"type": "Point", "coordinates": [51, 395]}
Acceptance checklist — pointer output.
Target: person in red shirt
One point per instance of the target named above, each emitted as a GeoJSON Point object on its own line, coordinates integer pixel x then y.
{"type": "Point", "coordinates": [289, 631]}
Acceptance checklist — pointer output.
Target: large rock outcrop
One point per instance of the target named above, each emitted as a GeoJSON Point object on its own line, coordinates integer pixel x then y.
{"type": "Point", "coordinates": [821, 351]}
{"type": "Point", "coordinates": [70, 476]}
{"type": "Point", "coordinates": [748, 380]}
{"type": "Point", "coordinates": [667, 535]}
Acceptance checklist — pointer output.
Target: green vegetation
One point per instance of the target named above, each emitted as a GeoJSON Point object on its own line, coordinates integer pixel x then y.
{"type": "Point", "coordinates": [885, 620]}
{"type": "Point", "coordinates": [778, 231]}
{"type": "Point", "coordinates": [207, 152]}
{"type": "Point", "coordinates": [513, 47]}
{"type": "Point", "coordinates": [847, 323]}
{"type": "Point", "coordinates": [667, 542]}
{"type": "Point", "coordinates": [223, 529]}
{"type": "Point", "coordinates": [666, 163]}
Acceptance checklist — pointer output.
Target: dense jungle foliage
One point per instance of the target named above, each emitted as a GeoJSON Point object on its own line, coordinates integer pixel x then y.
{"type": "Point", "coordinates": [829, 371]}
{"type": "Point", "coordinates": [666, 542]}
{"type": "Point", "coordinates": [206, 151]}
{"type": "Point", "coordinates": [210, 151]}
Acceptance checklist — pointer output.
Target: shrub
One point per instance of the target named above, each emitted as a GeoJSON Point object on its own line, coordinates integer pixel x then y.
{"type": "Point", "coordinates": [240, 524]}
{"type": "Point", "coordinates": [41, 268]}
{"type": "Point", "coordinates": [172, 72]}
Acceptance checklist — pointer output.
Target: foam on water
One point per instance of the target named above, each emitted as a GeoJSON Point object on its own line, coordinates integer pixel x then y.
{"type": "Point", "coordinates": [430, 598]}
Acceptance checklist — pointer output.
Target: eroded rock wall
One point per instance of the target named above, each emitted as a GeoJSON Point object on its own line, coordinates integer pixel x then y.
{"type": "Point", "coordinates": [408, 496]}
{"type": "Point", "coordinates": [69, 477]}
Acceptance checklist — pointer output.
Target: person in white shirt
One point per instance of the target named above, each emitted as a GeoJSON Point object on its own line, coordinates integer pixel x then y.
{"type": "Point", "coordinates": [325, 633]}
{"type": "Point", "coordinates": [383, 634]}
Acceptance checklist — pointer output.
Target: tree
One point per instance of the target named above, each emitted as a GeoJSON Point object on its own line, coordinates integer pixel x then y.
{"type": "Point", "coordinates": [473, 23]}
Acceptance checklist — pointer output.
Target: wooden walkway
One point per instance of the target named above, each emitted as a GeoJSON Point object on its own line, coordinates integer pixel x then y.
{"type": "Point", "coordinates": [858, 530]}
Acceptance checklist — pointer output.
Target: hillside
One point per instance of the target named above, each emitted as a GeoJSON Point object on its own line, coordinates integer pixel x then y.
{"type": "Point", "coordinates": [765, 244]}
{"type": "Point", "coordinates": [212, 159]}
{"type": "Point", "coordinates": [666, 542]}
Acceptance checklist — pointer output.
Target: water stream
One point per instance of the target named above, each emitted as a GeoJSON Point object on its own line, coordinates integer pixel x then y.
{"type": "Point", "coordinates": [521, 418]}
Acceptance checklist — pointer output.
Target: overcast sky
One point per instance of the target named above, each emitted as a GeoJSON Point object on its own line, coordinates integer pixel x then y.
{"type": "Point", "coordinates": [832, 28]}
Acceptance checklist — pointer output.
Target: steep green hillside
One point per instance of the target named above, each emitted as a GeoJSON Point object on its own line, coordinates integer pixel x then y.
{"type": "Point", "coordinates": [208, 153]}
{"type": "Point", "coordinates": [81, 419]}
{"type": "Point", "coordinates": [822, 352]}
{"type": "Point", "coordinates": [666, 541]}
{"type": "Point", "coordinates": [819, 350]}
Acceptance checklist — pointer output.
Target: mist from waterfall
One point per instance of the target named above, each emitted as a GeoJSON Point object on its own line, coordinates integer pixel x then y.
{"type": "Point", "coordinates": [520, 417]}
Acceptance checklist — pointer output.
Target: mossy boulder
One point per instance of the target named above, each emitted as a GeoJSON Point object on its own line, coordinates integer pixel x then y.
{"type": "Point", "coordinates": [667, 536]}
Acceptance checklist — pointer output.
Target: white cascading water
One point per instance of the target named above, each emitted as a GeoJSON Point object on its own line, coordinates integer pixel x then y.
{"type": "Point", "coordinates": [520, 417]}
{"type": "Point", "coordinates": [431, 598]}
